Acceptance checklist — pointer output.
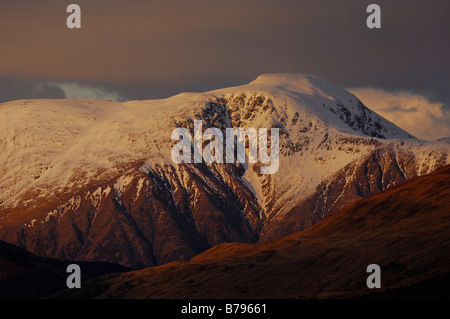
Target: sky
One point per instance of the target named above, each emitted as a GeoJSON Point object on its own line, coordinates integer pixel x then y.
{"type": "Point", "coordinates": [136, 49]}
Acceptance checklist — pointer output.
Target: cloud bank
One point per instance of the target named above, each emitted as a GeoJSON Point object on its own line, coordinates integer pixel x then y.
{"type": "Point", "coordinates": [77, 90]}
{"type": "Point", "coordinates": [13, 88]}
{"type": "Point", "coordinates": [412, 112]}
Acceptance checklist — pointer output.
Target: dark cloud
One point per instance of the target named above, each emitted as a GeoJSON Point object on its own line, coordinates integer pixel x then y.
{"type": "Point", "coordinates": [14, 89]}
{"type": "Point", "coordinates": [437, 90]}
{"type": "Point", "coordinates": [152, 49]}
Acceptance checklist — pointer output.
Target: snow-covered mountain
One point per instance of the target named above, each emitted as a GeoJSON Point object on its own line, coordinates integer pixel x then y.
{"type": "Point", "coordinates": [93, 180]}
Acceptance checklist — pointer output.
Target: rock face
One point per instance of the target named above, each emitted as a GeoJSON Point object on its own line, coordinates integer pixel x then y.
{"type": "Point", "coordinates": [379, 170]}
{"type": "Point", "coordinates": [94, 180]}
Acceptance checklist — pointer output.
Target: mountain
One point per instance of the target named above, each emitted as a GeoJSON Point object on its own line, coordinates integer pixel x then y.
{"type": "Point", "coordinates": [24, 275]}
{"type": "Point", "coordinates": [405, 230]}
{"type": "Point", "coordinates": [94, 180]}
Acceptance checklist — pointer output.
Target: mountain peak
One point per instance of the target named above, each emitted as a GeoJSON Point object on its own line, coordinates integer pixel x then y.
{"type": "Point", "coordinates": [301, 83]}
{"type": "Point", "coordinates": [308, 95]}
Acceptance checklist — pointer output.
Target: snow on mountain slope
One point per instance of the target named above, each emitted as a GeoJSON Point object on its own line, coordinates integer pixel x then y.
{"type": "Point", "coordinates": [311, 94]}
{"type": "Point", "coordinates": [47, 140]}
{"type": "Point", "coordinates": [74, 172]}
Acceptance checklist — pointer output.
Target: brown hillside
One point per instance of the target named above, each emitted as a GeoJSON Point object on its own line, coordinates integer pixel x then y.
{"type": "Point", "coordinates": [405, 230]}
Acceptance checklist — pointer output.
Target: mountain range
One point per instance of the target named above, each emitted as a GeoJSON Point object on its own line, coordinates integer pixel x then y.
{"type": "Point", "coordinates": [92, 180]}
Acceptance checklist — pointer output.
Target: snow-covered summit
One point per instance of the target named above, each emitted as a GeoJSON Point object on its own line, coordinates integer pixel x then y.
{"type": "Point", "coordinates": [331, 103]}
{"type": "Point", "coordinates": [47, 146]}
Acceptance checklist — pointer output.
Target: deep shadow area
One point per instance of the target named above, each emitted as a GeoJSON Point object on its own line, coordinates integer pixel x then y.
{"type": "Point", "coordinates": [25, 275]}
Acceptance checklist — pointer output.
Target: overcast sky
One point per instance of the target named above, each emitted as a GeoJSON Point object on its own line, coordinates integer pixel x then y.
{"type": "Point", "coordinates": [136, 49]}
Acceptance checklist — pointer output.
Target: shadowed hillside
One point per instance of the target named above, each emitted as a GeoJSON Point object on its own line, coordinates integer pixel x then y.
{"type": "Point", "coordinates": [24, 275]}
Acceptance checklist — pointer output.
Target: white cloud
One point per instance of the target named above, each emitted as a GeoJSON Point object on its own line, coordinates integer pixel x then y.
{"type": "Point", "coordinates": [76, 90]}
{"type": "Point", "coordinates": [412, 112]}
